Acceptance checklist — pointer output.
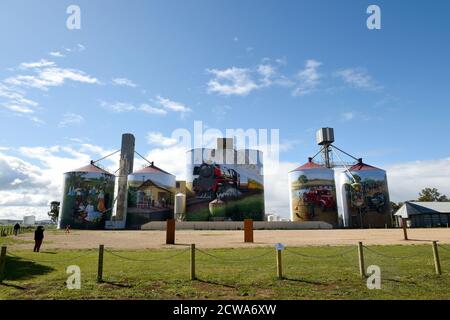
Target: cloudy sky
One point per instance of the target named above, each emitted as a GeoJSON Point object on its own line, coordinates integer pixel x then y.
{"type": "Point", "coordinates": [151, 67]}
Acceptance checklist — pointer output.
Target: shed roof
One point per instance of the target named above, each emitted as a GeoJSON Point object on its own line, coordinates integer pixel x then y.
{"type": "Point", "coordinates": [416, 208]}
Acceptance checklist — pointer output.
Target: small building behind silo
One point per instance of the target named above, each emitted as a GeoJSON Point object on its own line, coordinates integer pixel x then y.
{"type": "Point", "coordinates": [312, 194]}
{"type": "Point", "coordinates": [29, 220]}
{"type": "Point", "coordinates": [151, 193]}
{"type": "Point", "coordinates": [87, 198]}
{"type": "Point", "coordinates": [366, 196]}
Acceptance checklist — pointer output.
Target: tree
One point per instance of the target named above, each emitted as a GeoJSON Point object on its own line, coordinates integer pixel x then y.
{"type": "Point", "coordinates": [431, 195]}
{"type": "Point", "coordinates": [396, 206]}
{"type": "Point", "coordinates": [54, 211]}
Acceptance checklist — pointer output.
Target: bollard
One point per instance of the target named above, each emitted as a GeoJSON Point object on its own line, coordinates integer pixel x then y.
{"type": "Point", "coordinates": [248, 230]}
{"type": "Point", "coordinates": [405, 230]}
{"type": "Point", "coordinates": [170, 231]}
{"type": "Point", "coordinates": [279, 265]}
{"type": "Point", "coordinates": [100, 263]}
{"type": "Point", "coordinates": [2, 263]}
{"type": "Point", "coordinates": [362, 271]}
{"type": "Point", "coordinates": [437, 262]}
{"type": "Point", "coordinates": [193, 262]}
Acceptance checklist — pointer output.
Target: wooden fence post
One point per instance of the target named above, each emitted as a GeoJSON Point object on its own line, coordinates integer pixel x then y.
{"type": "Point", "coordinates": [437, 262]}
{"type": "Point", "coordinates": [193, 262]}
{"type": "Point", "coordinates": [101, 248]}
{"type": "Point", "coordinates": [170, 231]}
{"type": "Point", "coordinates": [279, 265]}
{"type": "Point", "coordinates": [2, 263]}
{"type": "Point", "coordinates": [248, 230]}
{"type": "Point", "coordinates": [405, 228]}
{"type": "Point", "coordinates": [362, 270]}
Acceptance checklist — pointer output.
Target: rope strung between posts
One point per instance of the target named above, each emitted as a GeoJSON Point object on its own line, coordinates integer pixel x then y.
{"type": "Point", "coordinates": [146, 260]}
{"type": "Point", "coordinates": [49, 261]}
{"type": "Point", "coordinates": [442, 247]}
{"type": "Point", "coordinates": [391, 257]}
{"type": "Point", "coordinates": [340, 254]}
{"type": "Point", "coordinates": [233, 260]}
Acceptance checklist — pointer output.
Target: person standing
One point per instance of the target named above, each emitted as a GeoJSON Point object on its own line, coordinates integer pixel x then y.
{"type": "Point", "coordinates": [38, 238]}
{"type": "Point", "coordinates": [16, 229]}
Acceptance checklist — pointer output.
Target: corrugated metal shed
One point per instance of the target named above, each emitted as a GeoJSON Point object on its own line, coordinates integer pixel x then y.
{"type": "Point", "coordinates": [417, 208]}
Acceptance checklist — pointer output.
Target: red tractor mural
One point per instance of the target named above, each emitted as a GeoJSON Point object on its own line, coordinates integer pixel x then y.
{"type": "Point", "coordinates": [322, 198]}
{"type": "Point", "coordinates": [213, 179]}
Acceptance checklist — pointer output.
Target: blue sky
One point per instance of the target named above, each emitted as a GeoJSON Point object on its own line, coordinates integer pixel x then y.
{"type": "Point", "coordinates": [150, 67]}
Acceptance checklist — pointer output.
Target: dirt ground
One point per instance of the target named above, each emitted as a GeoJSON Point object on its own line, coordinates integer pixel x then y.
{"type": "Point", "coordinates": [229, 239]}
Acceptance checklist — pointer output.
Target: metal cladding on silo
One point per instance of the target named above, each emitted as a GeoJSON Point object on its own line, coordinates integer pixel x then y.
{"type": "Point", "coordinates": [224, 184]}
{"type": "Point", "coordinates": [87, 198]}
{"type": "Point", "coordinates": [153, 173]}
{"type": "Point", "coordinates": [368, 207]}
{"type": "Point", "coordinates": [312, 194]}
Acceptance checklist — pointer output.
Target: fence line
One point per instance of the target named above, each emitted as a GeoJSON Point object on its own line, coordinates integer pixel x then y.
{"type": "Point", "coordinates": [288, 250]}
{"type": "Point", "coordinates": [234, 260]}
{"type": "Point", "coordinates": [145, 260]}
{"type": "Point", "coordinates": [389, 256]}
{"type": "Point", "coordinates": [50, 261]}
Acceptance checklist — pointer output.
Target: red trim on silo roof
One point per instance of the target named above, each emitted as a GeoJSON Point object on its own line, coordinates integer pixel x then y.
{"type": "Point", "coordinates": [91, 168]}
{"type": "Point", "coordinates": [309, 165]}
{"type": "Point", "coordinates": [151, 169]}
{"type": "Point", "coordinates": [362, 166]}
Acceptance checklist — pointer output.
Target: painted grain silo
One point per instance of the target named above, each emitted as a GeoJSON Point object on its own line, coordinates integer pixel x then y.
{"type": "Point", "coordinates": [224, 183]}
{"type": "Point", "coordinates": [87, 199]}
{"type": "Point", "coordinates": [312, 194]}
{"type": "Point", "coordinates": [366, 195]}
{"type": "Point", "coordinates": [151, 192]}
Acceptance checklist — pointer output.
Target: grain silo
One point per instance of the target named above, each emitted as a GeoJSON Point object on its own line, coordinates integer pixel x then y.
{"type": "Point", "coordinates": [87, 198]}
{"type": "Point", "coordinates": [366, 196]}
{"type": "Point", "coordinates": [224, 183]}
{"type": "Point", "coordinates": [312, 193]}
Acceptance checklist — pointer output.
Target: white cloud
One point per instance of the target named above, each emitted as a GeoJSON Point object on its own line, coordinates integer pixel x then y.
{"type": "Point", "coordinates": [70, 119]}
{"type": "Point", "coordinates": [120, 107]}
{"type": "Point", "coordinates": [357, 78]}
{"type": "Point", "coordinates": [50, 77]}
{"type": "Point", "coordinates": [157, 138]}
{"type": "Point", "coordinates": [152, 110]}
{"type": "Point", "coordinates": [308, 78]}
{"type": "Point", "coordinates": [57, 54]}
{"type": "Point", "coordinates": [124, 82]}
{"type": "Point", "coordinates": [43, 63]}
{"type": "Point", "coordinates": [231, 81]}
{"type": "Point", "coordinates": [347, 116]}
{"type": "Point", "coordinates": [172, 105]}
{"type": "Point", "coordinates": [406, 180]}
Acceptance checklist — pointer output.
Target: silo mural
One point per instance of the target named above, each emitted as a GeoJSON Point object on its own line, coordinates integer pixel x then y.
{"type": "Point", "coordinates": [150, 196]}
{"type": "Point", "coordinates": [224, 184]}
{"type": "Point", "coordinates": [367, 200]}
{"type": "Point", "coordinates": [87, 198]}
{"type": "Point", "coordinates": [313, 194]}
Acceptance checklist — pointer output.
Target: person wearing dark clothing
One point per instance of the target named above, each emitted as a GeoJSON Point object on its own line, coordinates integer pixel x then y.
{"type": "Point", "coordinates": [38, 238]}
{"type": "Point", "coordinates": [16, 229]}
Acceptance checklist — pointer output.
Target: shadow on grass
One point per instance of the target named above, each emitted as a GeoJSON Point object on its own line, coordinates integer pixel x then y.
{"type": "Point", "coordinates": [116, 284]}
{"type": "Point", "coordinates": [19, 269]}
{"type": "Point", "coordinates": [317, 283]}
{"type": "Point", "coordinates": [216, 283]}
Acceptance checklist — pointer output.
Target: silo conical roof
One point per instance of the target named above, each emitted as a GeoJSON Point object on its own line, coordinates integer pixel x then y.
{"type": "Point", "coordinates": [309, 165]}
{"type": "Point", "coordinates": [91, 168]}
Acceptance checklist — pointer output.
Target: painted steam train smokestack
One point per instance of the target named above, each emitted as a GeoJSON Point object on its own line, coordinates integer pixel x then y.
{"type": "Point", "coordinates": [126, 168]}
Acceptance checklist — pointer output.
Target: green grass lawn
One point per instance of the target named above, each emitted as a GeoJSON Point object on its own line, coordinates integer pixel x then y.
{"type": "Point", "coordinates": [228, 276]}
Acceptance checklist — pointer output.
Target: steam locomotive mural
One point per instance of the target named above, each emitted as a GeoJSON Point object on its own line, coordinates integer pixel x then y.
{"type": "Point", "coordinates": [220, 191]}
